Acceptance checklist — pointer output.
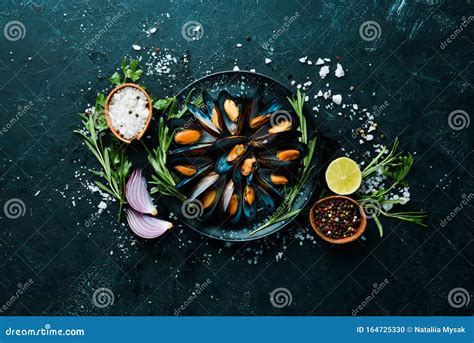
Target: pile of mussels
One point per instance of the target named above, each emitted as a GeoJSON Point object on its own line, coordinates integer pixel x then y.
{"type": "Point", "coordinates": [235, 156]}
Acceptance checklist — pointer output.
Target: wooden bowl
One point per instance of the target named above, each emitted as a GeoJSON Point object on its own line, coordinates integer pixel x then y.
{"type": "Point", "coordinates": [109, 122]}
{"type": "Point", "coordinates": [359, 232]}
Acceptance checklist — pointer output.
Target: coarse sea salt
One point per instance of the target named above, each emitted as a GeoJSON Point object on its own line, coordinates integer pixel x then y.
{"type": "Point", "coordinates": [339, 71]}
{"type": "Point", "coordinates": [319, 62]}
{"type": "Point", "coordinates": [337, 99]}
{"type": "Point", "coordinates": [323, 71]}
{"type": "Point", "coordinates": [128, 111]}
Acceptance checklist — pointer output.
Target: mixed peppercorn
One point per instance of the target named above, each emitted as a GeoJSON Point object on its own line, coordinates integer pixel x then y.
{"type": "Point", "coordinates": [337, 218]}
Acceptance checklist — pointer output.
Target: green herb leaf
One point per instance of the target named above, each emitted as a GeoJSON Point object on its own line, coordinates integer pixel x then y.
{"type": "Point", "coordinates": [115, 79]}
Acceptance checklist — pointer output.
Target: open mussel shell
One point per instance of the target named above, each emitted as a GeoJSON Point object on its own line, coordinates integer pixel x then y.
{"type": "Point", "coordinates": [275, 139]}
{"type": "Point", "coordinates": [283, 156]}
{"type": "Point", "coordinates": [279, 177]}
{"type": "Point", "coordinates": [203, 184]}
{"type": "Point", "coordinates": [190, 180]}
{"type": "Point", "coordinates": [278, 122]}
{"type": "Point", "coordinates": [227, 143]}
{"type": "Point", "coordinates": [264, 199]}
{"type": "Point", "coordinates": [231, 112]}
{"type": "Point", "coordinates": [209, 116]}
{"type": "Point", "coordinates": [191, 150]}
{"type": "Point", "coordinates": [260, 112]}
{"type": "Point", "coordinates": [187, 132]}
{"type": "Point", "coordinates": [262, 116]}
{"type": "Point", "coordinates": [249, 201]}
{"type": "Point", "coordinates": [230, 158]}
{"type": "Point", "coordinates": [210, 198]}
{"type": "Point", "coordinates": [214, 113]}
{"type": "Point", "coordinates": [189, 168]}
{"type": "Point", "coordinates": [235, 207]}
{"type": "Point", "coordinates": [269, 188]}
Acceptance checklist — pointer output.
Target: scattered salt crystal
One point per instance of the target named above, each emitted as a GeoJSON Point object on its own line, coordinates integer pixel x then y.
{"type": "Point", "coordinates": [369, 137]}
{"type": "Point", "coordinates": [267, 60]}
{"type": "Point", "coordinates": [278, 256]}
{"type": "Point", "coordinates": [236, 68]}
{"type": "Point", "coordinates": [337, 99]}
{"type": "Point", "coordinates": [252, 70]}
{"type": "Point", "coordinates": [309, 62]}
{"type": "Point", "coordinates": [323, 71]}
{"type": "Point", "coordinates": [239, 45]}
{"type": "Point", "coordinates": [303, 59]}
{"type": "Point", "coordinates": [319, 62]}
{"type": "Point", "coordinates": [339, 71]}
{"type": "Point", "coordinates": [355, 106]}
{"type": "Point", "coordinates": [327, 60]}
{"type": "Point", "coordinates": [102, 205]}
{"type": "Point", "coordinates": [136, 47]}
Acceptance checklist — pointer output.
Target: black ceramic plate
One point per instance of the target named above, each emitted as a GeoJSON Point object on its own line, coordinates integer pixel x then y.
{"type": "Point", "coordinates": [239, 83]}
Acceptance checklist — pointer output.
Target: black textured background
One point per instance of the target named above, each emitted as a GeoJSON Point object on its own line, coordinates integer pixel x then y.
{"type": "Point", "coordinates": [59, 66]}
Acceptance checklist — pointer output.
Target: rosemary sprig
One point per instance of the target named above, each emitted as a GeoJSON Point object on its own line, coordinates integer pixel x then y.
{"type": "Point", "coordinates": [284, 211]}
{"type": "Point", "coordinates": [114, 164]}
{"type": "Point", "coordinates": [163, 181]}
{"type": "Point", "coordinates": [396, 167]}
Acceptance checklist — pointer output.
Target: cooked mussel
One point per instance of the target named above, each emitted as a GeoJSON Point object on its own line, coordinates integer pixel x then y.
{"type": "Point", "coordinates": [231, 112]}
{"type": "Point", "coordinates": [209, 116]}
{"type": "Point", "coordinates": [248, 165]}
{"type": "Point", "coordinates": [249, 203]}
{"type": "Point", "coordinates": [229, 159]}
{"type": "Point", "coordinates": [192, 136]}
{"type": "Point", "coordinates": [279, 177]}
{"type": "Point", "coordinates": [189, 168]}
{"type": "Point", "coordinates": [209, 199]}
{"type": "Point", "coordinates": [235, 207]}
{"type": "Point", "coordinates": [279, 122]}
{"type": "Point", "coordinates": [262, 115]}
{"type": "Point", "coordinates": [283, 156]}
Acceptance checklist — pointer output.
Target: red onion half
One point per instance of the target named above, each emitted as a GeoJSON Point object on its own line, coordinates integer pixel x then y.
{"type": "Point", "coordinates": [145, 226]}
{"type": "Point", "coordinates": [137, 194]}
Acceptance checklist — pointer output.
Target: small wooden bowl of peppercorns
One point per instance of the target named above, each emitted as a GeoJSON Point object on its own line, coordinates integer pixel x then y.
{"type": "Point", "coordinates": [338, 219]}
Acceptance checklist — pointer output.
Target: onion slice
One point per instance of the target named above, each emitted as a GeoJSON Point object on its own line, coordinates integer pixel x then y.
{"type": "Point", "coordinates": [145, 226]}
{"type": "Point", "coordinates": [137, 194]}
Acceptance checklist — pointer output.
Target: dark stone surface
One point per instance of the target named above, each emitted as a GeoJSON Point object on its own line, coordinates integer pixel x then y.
{"type": "Point", "coordinates": [60, 64]}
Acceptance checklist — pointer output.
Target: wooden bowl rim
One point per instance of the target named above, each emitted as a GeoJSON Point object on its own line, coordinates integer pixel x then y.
{"type": "Point", "coordinates": [107, 116]}
{"type": "Point", "coordinates": [359, 232]}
